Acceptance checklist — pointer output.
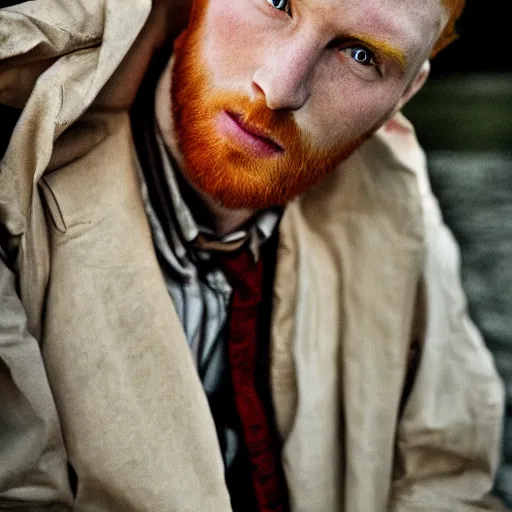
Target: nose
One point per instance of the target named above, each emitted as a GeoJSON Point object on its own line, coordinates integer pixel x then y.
{"type": "Point", "coordinates": [285, 74]}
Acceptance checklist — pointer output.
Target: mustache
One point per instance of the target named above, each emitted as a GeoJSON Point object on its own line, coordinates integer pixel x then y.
{"type": "Point", "coordinates": [259, 115]}
{"type": "Point", "coordinates": [279, 126]}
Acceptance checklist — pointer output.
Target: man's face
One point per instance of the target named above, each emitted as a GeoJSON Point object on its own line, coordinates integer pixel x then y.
{"type": "Point", "coordinates": [269, 96]}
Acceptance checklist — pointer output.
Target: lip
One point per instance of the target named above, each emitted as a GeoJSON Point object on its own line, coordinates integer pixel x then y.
{"type": "Point", "coordinates": [255, 140]}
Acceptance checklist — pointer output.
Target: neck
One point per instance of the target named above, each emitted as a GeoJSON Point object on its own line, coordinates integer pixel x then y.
{"type": "Point", "coordinates": [222, 220]}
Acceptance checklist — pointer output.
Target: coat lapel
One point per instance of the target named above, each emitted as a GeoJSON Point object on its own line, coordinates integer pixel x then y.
{"type": "Point", "coordinates": [133, 411]}
{"type": "Point", "coordinates": [349, 262]}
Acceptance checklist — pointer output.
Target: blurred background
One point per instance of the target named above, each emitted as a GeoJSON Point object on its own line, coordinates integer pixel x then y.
{"type": "Point", "coordinates": [463, 118]}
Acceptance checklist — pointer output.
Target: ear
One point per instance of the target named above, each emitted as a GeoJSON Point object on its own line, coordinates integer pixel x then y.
{"type": "Point", "coordinates": [416, 84]}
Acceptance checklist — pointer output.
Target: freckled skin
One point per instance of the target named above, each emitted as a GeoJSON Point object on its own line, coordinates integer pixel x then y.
{"type": "Point", "coordinates": [300, 64]}
{"type": "Point", "coordinates": [289, 60]}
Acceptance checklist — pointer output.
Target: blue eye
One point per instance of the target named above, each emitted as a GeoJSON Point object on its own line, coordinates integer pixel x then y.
{"type": "Point", "coordinates": [361, 55]}
{"type": "Point", "coordinates": [281, 5]}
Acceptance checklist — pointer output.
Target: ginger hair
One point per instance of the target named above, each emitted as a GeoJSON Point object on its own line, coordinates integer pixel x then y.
{"type": "Point", "coordinates": [449, 34]}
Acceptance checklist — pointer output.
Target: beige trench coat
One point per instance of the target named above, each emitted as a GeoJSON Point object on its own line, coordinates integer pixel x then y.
{"type": "Point", "coordinates": [366, 269]}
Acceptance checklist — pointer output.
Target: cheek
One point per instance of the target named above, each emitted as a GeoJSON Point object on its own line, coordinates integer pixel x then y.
{"type": "Point", "coordinates": [231, 41]}
{"type": "Point", "coordinates": [346, 109]}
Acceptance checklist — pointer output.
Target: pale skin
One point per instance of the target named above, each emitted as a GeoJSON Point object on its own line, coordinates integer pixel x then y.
{"type": "Point", "coordinates": [340, 66]}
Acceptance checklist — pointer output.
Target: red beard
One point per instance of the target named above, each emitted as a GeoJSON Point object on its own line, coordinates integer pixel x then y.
{"type": "Point", "coordinates": [227, 173]}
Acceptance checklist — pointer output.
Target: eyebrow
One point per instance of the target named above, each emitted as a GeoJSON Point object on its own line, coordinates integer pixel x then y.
{"type": "Point", "coordinates": [382, 48]}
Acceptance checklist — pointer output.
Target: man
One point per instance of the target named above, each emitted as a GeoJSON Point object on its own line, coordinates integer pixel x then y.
{"type": "Point", "coordinates": [240, 285]}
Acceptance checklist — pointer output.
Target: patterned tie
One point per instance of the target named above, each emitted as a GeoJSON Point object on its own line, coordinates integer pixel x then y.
{"type": "Point", "coordinates": [246, 279]}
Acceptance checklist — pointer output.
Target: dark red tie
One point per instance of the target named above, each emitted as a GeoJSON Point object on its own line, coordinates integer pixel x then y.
{"type": "Point", "coordinates": [246, 279]}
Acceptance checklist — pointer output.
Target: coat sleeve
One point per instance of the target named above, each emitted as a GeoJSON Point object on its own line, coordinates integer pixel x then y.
{"type": "Point", "coordinates": [449, 433]}
{"type": "Point", "coordinates": [33, 470]}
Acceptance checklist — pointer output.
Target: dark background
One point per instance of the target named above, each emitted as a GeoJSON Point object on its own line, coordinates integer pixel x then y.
{"type": "Point", "coordinates": [467, 102]}
{"type": "Point", "coordinates": [484, 44]}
